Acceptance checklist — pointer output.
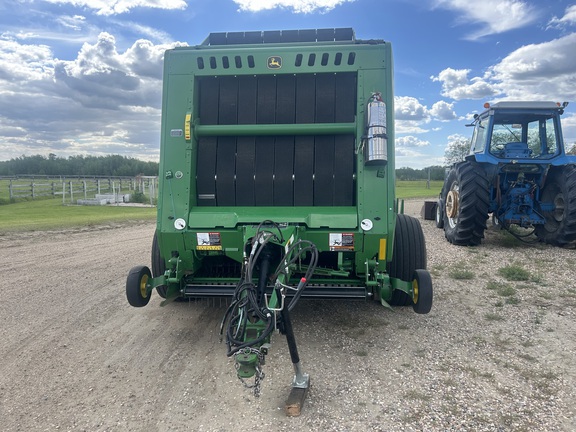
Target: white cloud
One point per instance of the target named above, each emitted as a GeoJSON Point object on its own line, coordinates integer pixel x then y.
{"type": "Point", "coordinates": [298, 6]}
{"type": "Point", "coordinates": [75, 22]}
{"type": "Point", "coordinates": [456, 85]}
{"type": "Point", "coordinates": [545, 71]}
{"type": "Point", "coordinates": [410, 142]}
{"type": "Point", "coordinates": [569, 129]}
{"type": "Point", "coordinates": [104, 101]}
{"type": "Point", "coordinates": [568, 19]}
{"type": "Point", "coordinates": [494, 16]}
{"type": "Point", "coordinates": [410, 114]}
{"type": "Point", "coordinates": [107, 7]}
{"type": "Point", "coordinates": [19, 63]}
{"type": "Point", "coordinates": [443, 111]}
{"type": "Point", "coordinates": [410, 108]}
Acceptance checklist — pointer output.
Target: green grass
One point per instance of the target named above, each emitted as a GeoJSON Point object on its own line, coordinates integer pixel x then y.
{"type": "Point", "coordinates": [417, 189]}
{"type": "Point", "coordinates": [51, 214]}
{"type": "Point", "coordinates": [514, 273]}
{"type": "Point", "coordinates": [462, 274]}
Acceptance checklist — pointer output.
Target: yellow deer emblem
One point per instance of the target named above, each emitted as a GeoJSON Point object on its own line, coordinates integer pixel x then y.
{"type": "Point", "coordinates": [274, 62]}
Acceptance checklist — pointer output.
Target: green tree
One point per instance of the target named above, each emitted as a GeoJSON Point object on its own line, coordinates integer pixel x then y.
{"type": "Point", "coordinates": [457, 149]}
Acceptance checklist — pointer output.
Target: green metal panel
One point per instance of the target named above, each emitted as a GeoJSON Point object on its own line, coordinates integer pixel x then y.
{"type": "Point", "coordinates": [184, 157]}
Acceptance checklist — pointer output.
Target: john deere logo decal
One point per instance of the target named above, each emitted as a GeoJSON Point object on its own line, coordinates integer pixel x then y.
{"type": "Point", "coordinates": [274, 62]}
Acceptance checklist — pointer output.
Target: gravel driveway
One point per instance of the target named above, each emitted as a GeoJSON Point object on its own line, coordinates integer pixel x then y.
{"type": "Point", "coordinates": [496, 353]}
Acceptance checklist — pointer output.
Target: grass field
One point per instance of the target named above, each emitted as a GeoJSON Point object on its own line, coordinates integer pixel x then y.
{"type": "Point", "coordinates": [51, 214]}
{"type": "Point", "coordinates": [418, 189]}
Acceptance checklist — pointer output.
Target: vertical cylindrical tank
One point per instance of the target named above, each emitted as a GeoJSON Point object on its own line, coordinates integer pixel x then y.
{"type": "Point", "coordinates": [375, 148]}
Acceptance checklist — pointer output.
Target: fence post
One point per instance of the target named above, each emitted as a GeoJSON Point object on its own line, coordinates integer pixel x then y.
{"type": "Point", "coordinates": [84, 185]}
{"type": "Point", "coordinates": [32, 188]}
{"type": "Point", "coordinates": [10, 190]}
{"type": "Point", "coordinates": [71, 192]}
{"type": "Point", "coordinates": [63, 192]}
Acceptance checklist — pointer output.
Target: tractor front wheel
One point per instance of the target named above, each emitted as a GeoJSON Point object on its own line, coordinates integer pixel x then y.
{"type": "Point", "coordinates": [466, 204]}
{"type": "Point", "coordinates": [560, 190]}
{"type": "Point", "coordinates": [137, 286]}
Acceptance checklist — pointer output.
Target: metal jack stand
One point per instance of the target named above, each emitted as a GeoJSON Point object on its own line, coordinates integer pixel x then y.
{"type": "Point", "coordinates": [301, 381]}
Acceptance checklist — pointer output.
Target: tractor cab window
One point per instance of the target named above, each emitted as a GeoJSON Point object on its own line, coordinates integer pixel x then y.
{"type": "Point", "coordinates": [524, 139]}
{"type": "Point", "coordinates": [542, 138]}
{"type": "Point", "coordinates": [479, 136]}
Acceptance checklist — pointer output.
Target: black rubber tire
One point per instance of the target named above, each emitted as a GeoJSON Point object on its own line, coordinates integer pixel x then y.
{"type": "Point", "coordinates": [409, 254]}
{"type": "Point", "coordinates": [439, 214]}
{"type": "Point", "coordinates": [560, 188]}
{"type": "Point", "coordinates": [158, 265]}
{"type": "Point", "coordinates": [423, 292]}
{"type": "Point", "coordinates": [136, 286]}
{"type": "Point", "coordinates": [468, 226]}
{"type": "Point", "coordinates": [440, 205]}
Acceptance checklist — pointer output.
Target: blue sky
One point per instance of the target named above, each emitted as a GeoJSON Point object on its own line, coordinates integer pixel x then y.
{"type": "Point", "coordinates": [84, 76]}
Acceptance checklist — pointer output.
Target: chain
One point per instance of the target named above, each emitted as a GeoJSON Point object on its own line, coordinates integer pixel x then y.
{"type": "Point", "coordinates": [259, 375]}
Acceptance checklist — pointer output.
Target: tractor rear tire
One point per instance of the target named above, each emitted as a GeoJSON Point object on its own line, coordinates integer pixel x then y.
{"type": "Point", "coordinates": [158, 265]}
{"type": "Point", "coordinates": [466, 204]}
{"type": "Point", "coordinates": [136, 282]}
{"type": "Point", "coordinates": [560, 188]}
{"type": "Point", "coordinates": [409, 254]}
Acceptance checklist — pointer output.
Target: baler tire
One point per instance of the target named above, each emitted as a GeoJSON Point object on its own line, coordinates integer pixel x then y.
{"type": "Point", "coordinates": [136, 286]}
{"type": "Point", "coordinates": [560, 227]}
{"type": "Point", "coordinates": [158, 265]}
{"type": "Point", "coordinates": [423, 292]}
{"type": "Point", "coordinates": [470, 189]}
{"type": "Point", "coordinates": [409, 254]}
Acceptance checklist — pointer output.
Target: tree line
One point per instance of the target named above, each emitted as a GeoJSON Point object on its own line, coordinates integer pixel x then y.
{"type": "Point", "coordinates": [121, 166]}
{"type": "Point", "coordinates": [109, 166]}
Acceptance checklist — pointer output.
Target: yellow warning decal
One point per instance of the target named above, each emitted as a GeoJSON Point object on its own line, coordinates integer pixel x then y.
{"type": "Point", "coordinates": [187, 127]}
{"type": "Point", "coordinates": [206, 247]}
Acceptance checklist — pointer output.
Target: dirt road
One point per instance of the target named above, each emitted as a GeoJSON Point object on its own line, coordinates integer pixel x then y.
{"type": "Point", "coordinates": [75, 356]}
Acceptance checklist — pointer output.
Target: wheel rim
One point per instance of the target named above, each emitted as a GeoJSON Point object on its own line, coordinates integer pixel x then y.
{"type": "Point", "coordinates": [559, 207]}
{"type": "Point", "coordinates": [143, 284]}
{"type": "Point", "coordinates": [452, 202]}
{"type": "Point", "coordinates": [415, 291]}
{"type": "Point", "coordinates": [438, 213]}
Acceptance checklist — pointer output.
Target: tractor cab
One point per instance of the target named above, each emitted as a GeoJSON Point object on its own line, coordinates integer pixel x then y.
{"type": "Point", "coordinates": [511, 131]}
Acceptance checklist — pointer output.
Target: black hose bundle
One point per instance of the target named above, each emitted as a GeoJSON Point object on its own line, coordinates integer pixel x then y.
{"type": "Point", "coordinates": [302, 248]}
{"type": "Point", "coordinates": [247, 305]}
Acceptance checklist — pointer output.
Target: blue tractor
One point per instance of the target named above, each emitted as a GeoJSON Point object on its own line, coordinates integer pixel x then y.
{"type": "Point", "coordinates": [518, 171]}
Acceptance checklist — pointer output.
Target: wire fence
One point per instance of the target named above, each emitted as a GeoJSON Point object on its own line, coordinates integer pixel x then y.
{"type": "Point", "coordinates": [74, 188]}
